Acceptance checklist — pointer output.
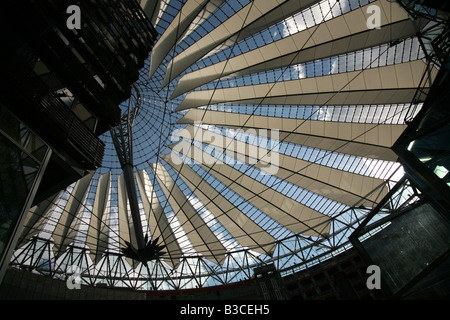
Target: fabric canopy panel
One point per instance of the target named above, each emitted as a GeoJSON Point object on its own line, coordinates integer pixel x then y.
{"type": "Point", "coordinates": [158, 222]}
{"type": "Point", "coordinates": [339, 185]}
{"type": "Point", "coordinates": [282, 209]}
{"type": "Point", "coordinates": [202, 238]}
{"type": "Point", "coordinates": [174, 32]}
{"type": "Point", "coordinates": [97, 235]}
{"type": "Point", "coordinates": [244, 18]}
{"type": "Point", "coordinates": [360, 139]}
{"type": "Point", "coordinates": [327, 39]}
{"type": "Point", "coordinates": [388, 84]}
{"type": "Point", "coordinates": [242, 228]}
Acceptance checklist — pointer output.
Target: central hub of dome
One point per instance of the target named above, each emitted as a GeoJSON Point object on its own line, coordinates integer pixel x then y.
{"type": "Point", "coordinates": [151, 129]}
{"type": "Point", "coordinates": [150, 118]}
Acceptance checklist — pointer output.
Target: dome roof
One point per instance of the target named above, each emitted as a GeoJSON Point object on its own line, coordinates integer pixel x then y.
{"type": "Point", "coordinates": [263, 135]}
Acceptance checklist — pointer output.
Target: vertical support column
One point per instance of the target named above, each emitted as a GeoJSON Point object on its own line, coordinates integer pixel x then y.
{"type": "Point", "coordinates": [122, 137]}
{"type": "Point", "coordinates": [134, 206]}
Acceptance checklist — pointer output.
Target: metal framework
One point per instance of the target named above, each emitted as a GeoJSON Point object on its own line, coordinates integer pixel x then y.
{"type": "Point", "coordinates": [434, 41]}
{"type": "Point", "coordinates": [291, 255]}
{"type": "Point", "coordinates": [405, 197]}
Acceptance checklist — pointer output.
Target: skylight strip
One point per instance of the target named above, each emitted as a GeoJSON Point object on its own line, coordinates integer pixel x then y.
{"type": "Point", "coordinates": [263, 220]}
{"type": "Point", "coordinates": [350, 163]}
{"type": "Point", "coordinates": [405, 51]}
{"type": "Point", "coordinates": [183, 241]}
{"type": "Point", "coordinates": [387, 113]}
{"type": "Point", "coordinates": [309, 17]}
{"type": "Point", "coordinates": [303, 196]}
{"type": "Point", "coordinates": [215, 226]}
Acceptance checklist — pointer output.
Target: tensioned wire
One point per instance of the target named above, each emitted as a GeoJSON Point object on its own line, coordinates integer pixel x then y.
{"type": "Point", "coordinates": [230, 52]}
{"type": "Point", "coordinates": [266, 36]}
{"type": "Point", "coordinates": [242, 126]}
{"type": "Point", "coordinates": [62, 207]}
{"type": "Point", "coordinates": [177, 176]}
{"type": "Point", "coordinates": [75, 215]}
{"type": "Point", "coordinates": [316, 111]}
{"type": "Point", "coordinates": [170, 78]}
{"type": "Point", "coordinates": [165, 109]}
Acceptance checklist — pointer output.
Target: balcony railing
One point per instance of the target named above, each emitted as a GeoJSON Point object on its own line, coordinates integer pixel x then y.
{"type": "Point", "coordinates": [51, 117]}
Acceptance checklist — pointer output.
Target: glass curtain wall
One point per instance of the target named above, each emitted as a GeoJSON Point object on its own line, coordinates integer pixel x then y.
{"type": "Point", "coordinates": [22, 157]}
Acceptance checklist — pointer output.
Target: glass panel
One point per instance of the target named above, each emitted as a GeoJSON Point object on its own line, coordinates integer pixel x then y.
{"type": "Point", "coordinates": [21, 135]}
{"type": "Point", "coordinates": [413, 241]}
{"type": "Point", "coordinates": [17, 173]}
{"type": "Point", "coordinates": [434, 151]}
{"type": "Point", "coordinates": [21, 154]}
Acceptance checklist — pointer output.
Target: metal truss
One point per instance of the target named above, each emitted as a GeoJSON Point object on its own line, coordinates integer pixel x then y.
{"type": "Point", "coordinates": [291, 255]}
{"type": "Point", "coordinates": [435, 38]}
{"type": "Point", "coordinates": [114, 269]}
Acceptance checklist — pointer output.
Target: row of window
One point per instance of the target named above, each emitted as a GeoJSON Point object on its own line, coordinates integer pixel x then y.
{"type": "Point", "coordinates": [379, 56]}
{"type": "Point", "coordinates": [387, 114]}
{"type": "Point", "coordinates": [307, 18]}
